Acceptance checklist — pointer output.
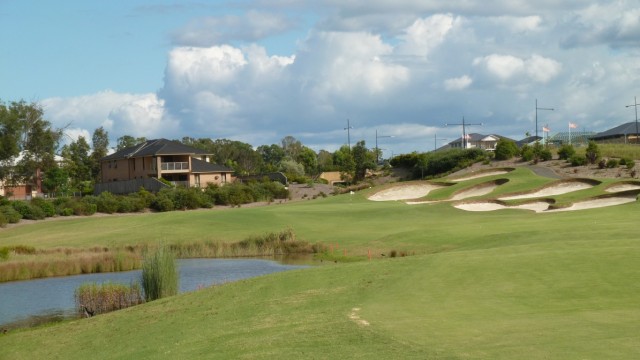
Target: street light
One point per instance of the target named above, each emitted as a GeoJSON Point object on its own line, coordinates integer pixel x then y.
{"type": "Point", "coordinates": [537, 108]}
{"type": "Point", "coordinates": [380, 136]}
{"type": "Point", "coordinates": [435, 141]}
{"type": "Point", "coordinates": [635, 104]}
{"type": "Point", "coordinates": [349, 127]}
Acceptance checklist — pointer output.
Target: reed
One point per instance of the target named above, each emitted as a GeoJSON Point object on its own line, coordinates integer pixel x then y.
{"type": "Point", "coordinates": [93, 299]}
{"type": "Point", "coordinates": [159, 274]}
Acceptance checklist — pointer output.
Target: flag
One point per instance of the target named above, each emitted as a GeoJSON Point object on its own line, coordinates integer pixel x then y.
{"type": "Point", "coordinates": [545, 129]}
{"type": "Point", "coordinates": [572, 126]}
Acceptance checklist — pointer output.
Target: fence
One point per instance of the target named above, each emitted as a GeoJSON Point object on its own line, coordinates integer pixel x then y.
{"type": "Point", "coordinates": [129, 186]}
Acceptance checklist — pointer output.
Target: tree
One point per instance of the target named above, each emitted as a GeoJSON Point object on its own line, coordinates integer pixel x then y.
{"type": "Point", "coordinates": [56, 180]}
{"type": "Point", "coordinates": [126, 141]}
{"type": "Point", "coordinates": [100, 148]}
{"type": "Point", "coordinates": [506, 149]}
{"type": "Point", "coordinates": [325, 161]}
{"type": "Point", "coordinates": [291, 147]}
{"type": "Point", "coordinates": [309, 159]}
{"type": "Point", "coordinates": [592, 153]}
{"type": "Point", "coordinates": [363, 159]}
{"type": "Point", "coordinates": [241, 156]}
{"type": "Point", "coordinates": [77, 161]}
{"type": "Point", "coordinates": [343, 159]}
{"type": "Point", "coordinates": [271, 155]}
{"type": "Point", "coordinates": [10, 136]}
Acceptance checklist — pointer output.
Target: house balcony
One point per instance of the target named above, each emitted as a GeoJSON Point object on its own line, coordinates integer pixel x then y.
{"type": "Point", "coordinates": [174, 167]}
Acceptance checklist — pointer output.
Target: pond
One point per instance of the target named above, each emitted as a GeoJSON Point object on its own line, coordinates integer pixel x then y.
{"type": "Point", "coordinates": [27, 301]}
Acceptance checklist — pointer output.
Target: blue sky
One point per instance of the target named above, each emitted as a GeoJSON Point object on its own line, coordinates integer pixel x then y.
{"type": "Point", "coordinates": [259, 70]}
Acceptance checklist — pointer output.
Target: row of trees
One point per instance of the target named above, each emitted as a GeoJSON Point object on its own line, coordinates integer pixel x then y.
{"type": "Point", "coordinates": [29, 144]}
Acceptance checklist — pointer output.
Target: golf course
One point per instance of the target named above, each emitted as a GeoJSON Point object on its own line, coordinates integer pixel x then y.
{"type": "Point", "coordinates": [407, 276]}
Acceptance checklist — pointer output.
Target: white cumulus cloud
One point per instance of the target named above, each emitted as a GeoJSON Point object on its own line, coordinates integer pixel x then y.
{"type": "Point", "coordinates": [459, 83]}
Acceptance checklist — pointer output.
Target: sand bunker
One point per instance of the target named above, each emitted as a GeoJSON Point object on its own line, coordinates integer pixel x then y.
{"type": "Point", "coordinates": [541, 206]}
{"type": "Point", "coordinates": [557, 189]}
{"type": "Point", "coordinates": [538, 206]}
{"type": "Point", "coordinates": [598, 203]}
{"type": "Point", "coordinates": [622, 187]}
{"type": "Point", "coordinates": [483, 174]}
{"type": "Point", "coordinates": [404, 192]}
{"type": "Point", "coordinates": [476, 191]}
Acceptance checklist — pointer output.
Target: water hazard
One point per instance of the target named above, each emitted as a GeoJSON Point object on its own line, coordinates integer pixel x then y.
{"type": "Point", "coordinates": [53, 297]}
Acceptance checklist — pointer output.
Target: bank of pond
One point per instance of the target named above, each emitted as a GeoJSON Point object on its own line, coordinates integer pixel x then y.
{"type": "Point", "coordinates": [28, 303]}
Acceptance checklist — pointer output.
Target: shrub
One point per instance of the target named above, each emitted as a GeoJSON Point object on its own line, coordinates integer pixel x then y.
{"type": "Point", "coordinates": [592, 154]}
{"type": "Point", "coordinates": [3, 220]}
{"type": "Point", "coordinates": [46, 206]}
{"type": "Point", "coordinates": [159, 274]}
{"type": "Point", "coordinates": [93, 299]}
{"type": "Point", "coordinates": [566, 151]}
{"type": "Point", "coordinates": [162, 203]}
{"type": "Point", "coordinates": [107, 203]}
{"type": "Point", "coordinates": [545, 155]}
{"type": "Point", "coordinates": [630, 164]}
{"type": "Point", "coordinates": [28, 211]}
{"type": "Point", "coordinates": [11, 214]}
{"type": "Point", "coordinates": [577, 160]}
{"type": "Point", "coordinates": [612, 163]}
{"type": "Point", "coordinates": [66, 212]}
{"type": "Point", "coordinates": [505, 149]}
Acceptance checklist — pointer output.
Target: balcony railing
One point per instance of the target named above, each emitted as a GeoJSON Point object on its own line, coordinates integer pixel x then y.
{"type": "Point", "coordinates": [180, 183]}
{"type": "Point", "coordinates": [172, 166]}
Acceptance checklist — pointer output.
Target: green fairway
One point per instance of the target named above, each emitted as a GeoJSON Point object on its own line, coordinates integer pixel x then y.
{"type": "Point", "coordinates": [482, 285]}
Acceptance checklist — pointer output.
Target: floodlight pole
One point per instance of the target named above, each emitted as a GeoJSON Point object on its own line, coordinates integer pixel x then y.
{"type": "Point", "coordinates": [464, 131]}
{"type": "Point", "coordinates": [539, 108]}
{"type": "Point", "coordinates": [348, 128]}
{"type": "Point", "coordinates": [435, 141]}
{"type": "Point", "coordinates": [381, 136]}
{"type": "Point", "coordinates": [635, 105]}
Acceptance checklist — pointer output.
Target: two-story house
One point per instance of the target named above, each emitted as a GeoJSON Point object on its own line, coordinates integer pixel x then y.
{"type": "Point", "coordinates": [162, 159]}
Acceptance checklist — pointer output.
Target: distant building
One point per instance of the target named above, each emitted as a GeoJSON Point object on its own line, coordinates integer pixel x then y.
{"type": "Point", "coordinates": [145, 164]}
{"type": "Point", "coordinates": [571, 137]}
{"type": "Point", "coordinates": [475, 140]}
{"type": "Point", "coordinates": [529, 140]}
{"type": "Point", "coordinates": [625, 133]}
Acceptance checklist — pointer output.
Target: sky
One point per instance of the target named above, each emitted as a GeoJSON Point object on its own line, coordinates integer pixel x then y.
{"type": "Point", "coordinates": [259, 70]}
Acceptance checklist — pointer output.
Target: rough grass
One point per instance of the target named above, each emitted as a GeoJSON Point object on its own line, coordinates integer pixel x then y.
{"type": "Point", "coordinates": [500, 285]}
{"type": "Point", "coordinates": [93, 299]}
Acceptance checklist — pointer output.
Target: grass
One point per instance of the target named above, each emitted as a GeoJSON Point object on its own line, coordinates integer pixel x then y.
{"type": "Point", "coordinates": [498, 285]}
{"type": "Point", "coordinates": [159, 274]}
{"type": "Point", "coordinates": [94, 299]}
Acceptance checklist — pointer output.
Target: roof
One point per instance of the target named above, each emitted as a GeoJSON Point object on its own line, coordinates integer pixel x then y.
{"type": "Point", "coordinates": [199, 166]}
{"type": "Point", "coordinates": [565, 136]}
{"type": "Point", "coordinates": [475, 137]}
{"type": "Point", "coordinates": [618, 131]}
{"type": "Point", "coordinates": [528, 140]}
{"type": "Point", "coordinates": [156, 147]}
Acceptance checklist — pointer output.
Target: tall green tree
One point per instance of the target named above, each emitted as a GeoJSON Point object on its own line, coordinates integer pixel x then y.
{"type": "Point", "coordinates": [271, 155]}
{"type": "Point", "coordinates": [100, 149]}
{"type": "Point", "coordinates": [77, 161]}
{"type": "Point", "coordinates": [343, 160]}
{"type": "Point", "coordinates": [126, 141]}
{"type": "Point", "coordinates": [292, 147]}
{"type": "Point", "coordinates": [363, 159]}
{"type": "Point", "coordinates": [309, 159]}
{"type": "Point", "coordinates": [10, 138]}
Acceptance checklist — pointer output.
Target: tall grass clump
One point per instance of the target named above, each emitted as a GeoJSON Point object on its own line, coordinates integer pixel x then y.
{"type": "Point", "coordinates": [93, 299]}
{"type": "Point", "coordinates": [159, 274]}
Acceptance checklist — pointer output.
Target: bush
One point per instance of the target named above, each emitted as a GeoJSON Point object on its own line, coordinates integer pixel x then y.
{"type": "Point", "coordinates": [630, 164]}
{"type": "Point", "coordinates": [4, 253]}
{"type": "Point", "coordinates": [506, 149]}
{"type": "Point", "coordinates": [577, 160]}
{"type": "Point", "coordinates": [162, 203]}
{"type": "Point", "coordinates": [612, 163]}
{"type": "Point", "coordinates": [107, 203]}
{"type": "Point", "coordinates": [159, 274]}
{"type": "Point", "coordinates": [3, 220]}
{"type": "Point", "coordinates": [592, 154]}
{"type": "Point", "coordinates": [11, 214]}
{"type": "Point", "coordinates": [46, 206]}
{"type": "Point", "coordinates": [566, 151]}
{"type": "Point", "coordinates": [28, 211]}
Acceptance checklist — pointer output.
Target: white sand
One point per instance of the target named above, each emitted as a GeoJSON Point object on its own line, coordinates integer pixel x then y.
{"type": "Point", "coordinates": [489, 206]}
{"type": "Point", "coordinates": [488, 173]}
{"type": "Point", "coordinates": [558, 189]}
{"type": "Point", "coordinates": [541, 206]}
{"type": "Point", "coordinates": [404, 192]}
{"type": "Point", "coordinates": [598, 203]}
{"type": "Point", "coordinates": [623, 187]}
{"type": "Point", "coordinates": [477, 191]}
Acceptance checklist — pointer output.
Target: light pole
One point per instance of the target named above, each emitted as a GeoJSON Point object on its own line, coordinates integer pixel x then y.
{"type": "Point", "coordinates": [435, 141]}
{"type": "Point", "coordinates": [380, 136]}
{"type": "Point", "coordinates": [539, 108]}
{"type": "Point", "coordinates": [348, 128]}
{"type": "Point", "coordinates": [464, 131]}
{"type": "Point", "coordinates": [635, 105]}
